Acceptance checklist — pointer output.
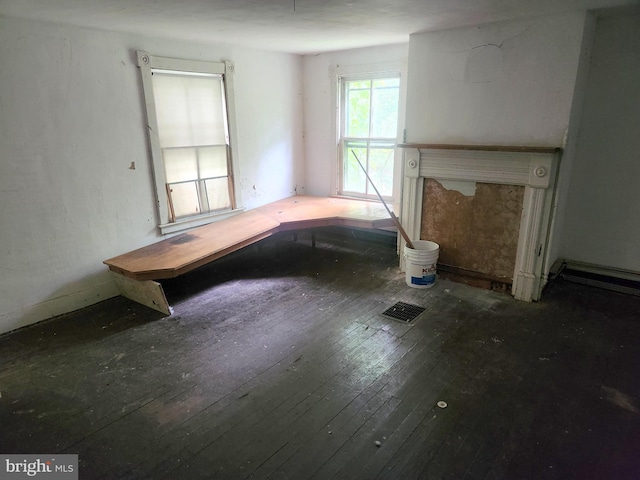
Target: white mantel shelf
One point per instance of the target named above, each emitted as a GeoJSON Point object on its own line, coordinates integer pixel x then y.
{"type": "Point", "coordinates": [534, 168]}
{"type": "Point", "coordinates": [484, 148]}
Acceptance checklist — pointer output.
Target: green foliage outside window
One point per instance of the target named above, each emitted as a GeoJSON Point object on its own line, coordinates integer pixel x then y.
{"type": "Point", "coordinates": [370, 129]}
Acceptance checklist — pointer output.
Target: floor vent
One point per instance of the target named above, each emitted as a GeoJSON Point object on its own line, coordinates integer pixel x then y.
{"type": "Point", "coordinates": [405, 312]}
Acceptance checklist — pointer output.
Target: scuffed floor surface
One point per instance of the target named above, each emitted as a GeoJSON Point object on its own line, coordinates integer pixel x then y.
{"type": "Point", "coordinates": [277, 363]}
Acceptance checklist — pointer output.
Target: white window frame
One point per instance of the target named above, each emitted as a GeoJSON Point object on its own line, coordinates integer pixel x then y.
{"type": "Point", "coordinates": [355, 72]}
{"type": "Point", "coordinates": [147, 63]}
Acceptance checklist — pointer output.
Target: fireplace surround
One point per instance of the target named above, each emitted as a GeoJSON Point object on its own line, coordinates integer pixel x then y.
{"type": "Point", "coordinates": [534, 168]}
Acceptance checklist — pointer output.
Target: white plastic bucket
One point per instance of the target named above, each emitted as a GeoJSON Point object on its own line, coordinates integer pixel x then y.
{"type": "Point", "coordinates": [421, 263]}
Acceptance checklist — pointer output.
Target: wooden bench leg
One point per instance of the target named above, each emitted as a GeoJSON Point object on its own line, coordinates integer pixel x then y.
{"type": "Point", "coordinates": [146, 292]}
{"type": "Point", "coordinates": [313, 237]}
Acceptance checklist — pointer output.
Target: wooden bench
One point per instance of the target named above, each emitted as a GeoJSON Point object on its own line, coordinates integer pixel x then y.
{"type": "Point", "coordinates": [136, 272]}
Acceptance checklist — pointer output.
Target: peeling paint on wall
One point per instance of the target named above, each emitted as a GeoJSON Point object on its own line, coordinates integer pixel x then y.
{"type": "Point", "coordinates": [468, 189]}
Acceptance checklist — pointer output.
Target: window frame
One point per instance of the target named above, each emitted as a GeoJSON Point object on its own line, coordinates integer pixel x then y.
{"type": "Point", "coordinates": [370, 141]}
{"type": "Point", "coordinates": [339, 75]}
{"type": "Point", "coordinates": [147, 63]}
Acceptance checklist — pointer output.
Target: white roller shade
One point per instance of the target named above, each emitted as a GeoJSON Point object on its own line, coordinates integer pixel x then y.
{"type": "Point", "coordinates": [189, 109]}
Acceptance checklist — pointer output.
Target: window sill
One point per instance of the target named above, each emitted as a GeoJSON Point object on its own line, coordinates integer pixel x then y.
{"type": "Point", "coordinates": [188, 223]}
{"type": "Point", "coordinates": [388, 200]}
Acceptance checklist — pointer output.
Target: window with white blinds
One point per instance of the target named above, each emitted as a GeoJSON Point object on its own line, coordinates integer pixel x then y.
{"type": "Point", "coordinates": [189, 126]}
{"type": "Point", "coordinates": [192, 131]}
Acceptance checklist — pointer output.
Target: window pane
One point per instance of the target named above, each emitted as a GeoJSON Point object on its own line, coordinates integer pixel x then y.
{"type": "Point", "coordinates": [385, 108]}
{"type": "Point", "coordinates": [217, 192]}
{"type": "Point", "coordinates": [370, 129]}
{"type": "Point", "coordinates": [381, 158]}
{"type": "Point", "coordinates": [357, 105]}
{"type": "Point", "coordinates": [184, 197]}
{"type": "Point", "coordinates": [180, 164]}
{"type": "Point", "coordinates": [213, 162]}
{"type": "Point", "coordinates": [189, 110]}
{"type": "Point", "coordinates": [354, 178]}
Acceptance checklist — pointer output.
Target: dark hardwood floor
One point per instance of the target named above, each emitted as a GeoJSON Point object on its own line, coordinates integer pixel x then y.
{"type": "Point", "coordinates": [277, 363]}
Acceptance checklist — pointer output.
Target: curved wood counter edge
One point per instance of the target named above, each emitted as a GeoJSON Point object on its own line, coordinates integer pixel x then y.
{"type": "Point", "coordinates": [135, 272]}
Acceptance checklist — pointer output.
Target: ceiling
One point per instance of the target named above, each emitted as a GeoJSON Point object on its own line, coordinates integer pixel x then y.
{"type": "Point", "coordinates": [294, 26]}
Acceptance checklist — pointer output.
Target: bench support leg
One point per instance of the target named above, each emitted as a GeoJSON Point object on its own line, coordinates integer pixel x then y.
{"type": "Point", "coordinates": [145, 292]}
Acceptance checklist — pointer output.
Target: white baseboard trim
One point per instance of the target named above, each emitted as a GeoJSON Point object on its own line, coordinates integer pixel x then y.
{"type": "Point", "coordinates": [59, 304]}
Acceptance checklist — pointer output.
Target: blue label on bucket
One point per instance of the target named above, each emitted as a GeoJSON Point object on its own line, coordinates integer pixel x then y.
{"type": "Point", "coordinates": [424, 280]}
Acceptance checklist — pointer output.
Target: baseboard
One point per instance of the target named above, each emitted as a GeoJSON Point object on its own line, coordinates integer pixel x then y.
{"type": "Point", "coordinates": [386, 236]}
{"type": "Point", "coordinates": [59, 304]}
{"type": "Point", "coordinates": [609, 278]}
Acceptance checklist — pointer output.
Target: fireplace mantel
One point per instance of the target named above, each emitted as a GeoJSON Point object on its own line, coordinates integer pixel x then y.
{"type": "Point", "coordinates": [484, 148]}
{"type": "Point", "coordinates": [534, 168]}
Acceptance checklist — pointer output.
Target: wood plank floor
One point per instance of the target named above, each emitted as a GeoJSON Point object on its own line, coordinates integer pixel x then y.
{"type": "Point", "coordinates": [277, 363]}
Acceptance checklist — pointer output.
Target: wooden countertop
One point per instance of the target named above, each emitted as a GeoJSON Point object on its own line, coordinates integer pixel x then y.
{"type": "Point", "coordinates": [184, 252]}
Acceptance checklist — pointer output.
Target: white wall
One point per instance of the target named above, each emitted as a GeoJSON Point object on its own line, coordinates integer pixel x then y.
{"type": "Point", "coordinates": [509, 83]}
{"type": "Point", "coordinates": [602, 219]}
{"type": "Point", "coordinates": [72, 121]}
{"type": "Point", "coordinates": [505, 83]}
{"type": "Point", "coordinates": [320, 107]}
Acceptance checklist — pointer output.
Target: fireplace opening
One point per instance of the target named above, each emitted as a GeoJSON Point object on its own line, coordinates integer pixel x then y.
{"type": "Point", "coordinates": [477, 227]}
{"type": "Point", "coordinates": [489, 207]}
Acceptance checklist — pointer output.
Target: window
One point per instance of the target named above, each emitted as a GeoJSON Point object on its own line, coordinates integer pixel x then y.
{"type": "Point", "coordinates": [368, 132]}
{"type": "Point", "coordinates": [190, 118]}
